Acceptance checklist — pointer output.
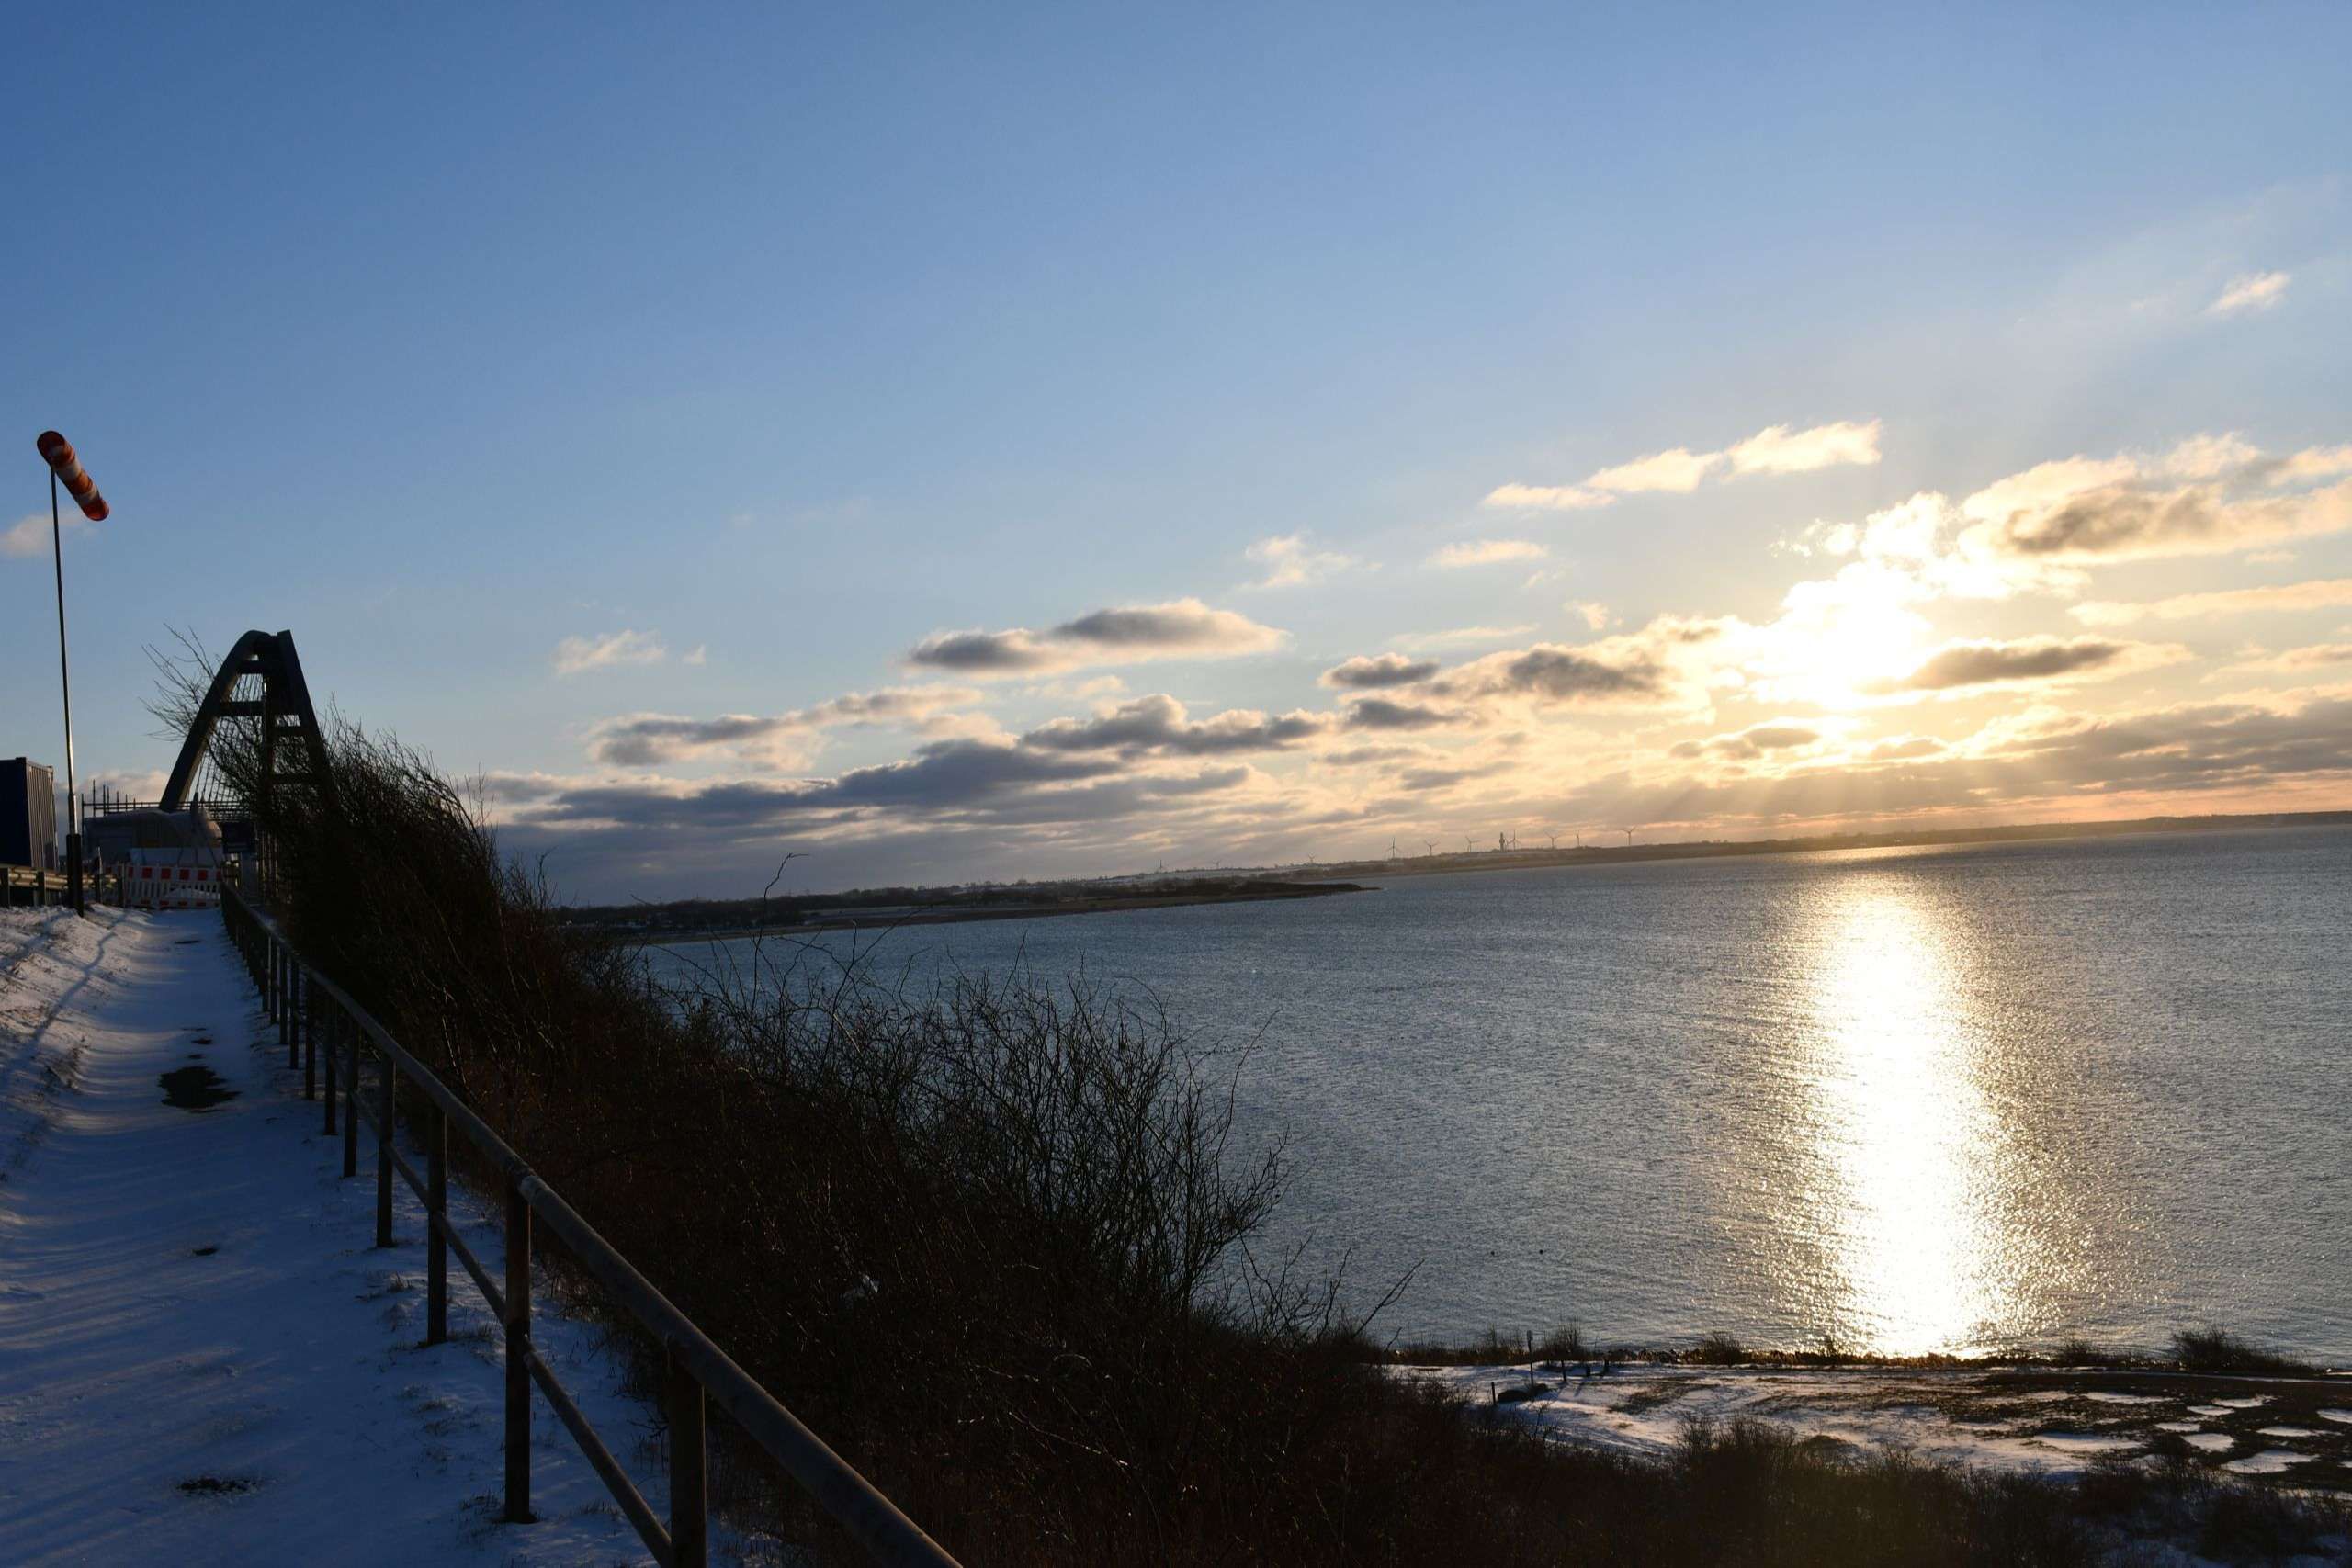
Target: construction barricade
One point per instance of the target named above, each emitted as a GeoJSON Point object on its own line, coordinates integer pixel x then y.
{"type": "Point", "coordinates": [171, 886]}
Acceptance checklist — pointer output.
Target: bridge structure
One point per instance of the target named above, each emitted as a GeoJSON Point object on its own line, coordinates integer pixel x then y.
{"type": "Point", "coordinates": [260, 681]}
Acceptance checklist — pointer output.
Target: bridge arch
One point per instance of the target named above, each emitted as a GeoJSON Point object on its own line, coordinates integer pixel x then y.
{"type": "Point", "coordinates": [260, 679]}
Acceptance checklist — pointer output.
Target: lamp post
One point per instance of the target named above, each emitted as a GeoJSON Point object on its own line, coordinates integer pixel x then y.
{"type": "Point", "coordinates": [65, 468]}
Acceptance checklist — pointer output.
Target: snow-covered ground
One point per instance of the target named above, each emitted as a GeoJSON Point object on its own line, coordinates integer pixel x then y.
{"type": "Point", "coordinates": [202, 1358]}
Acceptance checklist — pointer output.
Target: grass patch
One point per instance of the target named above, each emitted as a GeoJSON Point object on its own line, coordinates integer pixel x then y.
{"type": "Point", "coordinates": [2215, 1349]}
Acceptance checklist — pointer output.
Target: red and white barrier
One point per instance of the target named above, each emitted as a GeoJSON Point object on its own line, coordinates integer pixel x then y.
{"type": "Point", "coordinates": [172, 887]}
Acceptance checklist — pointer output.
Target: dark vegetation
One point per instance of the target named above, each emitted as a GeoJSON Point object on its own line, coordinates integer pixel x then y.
{"type": "Point", "coordinates": [993, 1243]}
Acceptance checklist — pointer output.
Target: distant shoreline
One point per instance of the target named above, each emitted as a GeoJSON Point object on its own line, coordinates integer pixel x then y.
{"type": "Point", "coordinates": [1107, 905]}
{"type": "Point", "coordinates": [883, 910]}
{"type": "Point", "coordinates": [1607, 854]}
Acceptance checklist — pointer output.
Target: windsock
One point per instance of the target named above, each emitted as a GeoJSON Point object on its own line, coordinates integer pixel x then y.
{"type": "Point", "coordinates": [58, 453]}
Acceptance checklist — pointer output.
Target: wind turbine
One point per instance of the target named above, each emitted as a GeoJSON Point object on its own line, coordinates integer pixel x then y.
{"type": "Point", "coordinates": [1432, 844]}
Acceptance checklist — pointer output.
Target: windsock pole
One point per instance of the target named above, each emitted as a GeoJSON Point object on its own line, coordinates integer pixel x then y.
{"type": "Point", "coordinates": [64, 466]}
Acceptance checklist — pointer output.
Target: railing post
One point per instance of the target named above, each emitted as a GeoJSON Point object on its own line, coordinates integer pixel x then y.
{"type": "Point", "coordinates": [384, 1152]}
{"type": "Point", "coordinates": [518, 1373]}
{"type": "Point", "coordinates": [294, 1016]}
{"type": "Point", "coordinates": [349, 1030]}
{"type": "Point", "coordinates": [436, 1214]}
{"type": "Point", "coordinates": [689, 1468]}
{"type": "Point", "coordinates": [285, 999]}
{"type": "Point", "coordinates": [309, 1027]}
{"type": "Point", "coordinates": [328, 1054]}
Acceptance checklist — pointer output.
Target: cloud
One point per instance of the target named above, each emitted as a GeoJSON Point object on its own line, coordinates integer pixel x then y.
{"type": "Point", "coordinates": [29, 534]}
{"type": "Point", "coordinates": [1157, 724]}
{"type": "Point", "coordinates": [1989, 662]}
{"type": "Point", "coordinates": [1487, 552]}
{"type": "Point", "coordinates": [1458, 637]}
{"type": "Point", "coordinates": [1381, 713]}
{"type": "Point", "coordinates": [1131, 635]}
{"type": "Point", "coordinates": [1775, 449]}
{"type": "Point", "coordinates": [698, 657]}
{"type": "Point", "coordinates": [2294, 660]}
{"type": "Point", "coordinates": [1780, 450]}
{"type": "Point", "coordinates": [2323, 594]}
{"type": "Point", "coordinates": [1678, 469]}
{"type": "Point", "coordinates": [1547, 497]}
{"type": "Point", "coordinates": [1666, 664]}
{"type": "Point", "coordinates": [1752, 743]}
{"type": "Point", "coordinates": [2083, 510]}
{"type": "Point", "coordinates": [1290, 561]}
{"type": "Point", "coordinates": [2135, 522]}
{"type": "Point", "coordinates": [653, 740]}
{"type": "Point", "coordinates": [2250, 291]}
{"type": "Point", "coordinates": [1363, 673]}
{"type": "Point", "coordinates": [578, 655]}
{"type": "Point", "coordinates": [1594, 614]}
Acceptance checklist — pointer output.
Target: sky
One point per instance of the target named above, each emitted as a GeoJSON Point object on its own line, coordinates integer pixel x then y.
{"type": "Point", "coordinates": [970, 443]}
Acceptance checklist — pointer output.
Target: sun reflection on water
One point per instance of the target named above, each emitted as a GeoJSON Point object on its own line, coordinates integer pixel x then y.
{"type": "Point", "coordinates": [1910, 1143]}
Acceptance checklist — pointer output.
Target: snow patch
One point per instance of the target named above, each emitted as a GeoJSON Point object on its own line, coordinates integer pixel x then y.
{"type": "Point", "coordinates": [2269, 1461]}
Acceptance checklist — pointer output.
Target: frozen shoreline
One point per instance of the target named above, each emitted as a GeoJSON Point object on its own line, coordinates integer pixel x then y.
{"type": "Point", "coordinates": [2296, 1430]}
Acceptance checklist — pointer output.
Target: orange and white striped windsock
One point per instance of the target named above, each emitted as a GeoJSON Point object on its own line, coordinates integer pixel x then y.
{"type": "Point", "coordinates": [58, 453]}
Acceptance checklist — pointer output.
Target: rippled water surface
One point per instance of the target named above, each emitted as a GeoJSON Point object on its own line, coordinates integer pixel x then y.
{"type": "Point", "coordinates": [1917, 1100]}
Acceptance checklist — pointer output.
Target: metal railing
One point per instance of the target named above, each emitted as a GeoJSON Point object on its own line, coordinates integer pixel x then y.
{"type": "Point", "coordinates": [30, 886]}
{"type": "Point", "coordinates": [324, 1031]}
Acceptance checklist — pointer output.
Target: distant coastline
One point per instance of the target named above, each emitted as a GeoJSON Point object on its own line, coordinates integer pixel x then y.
{"type": "Point", "coordinates": [1034, 907]}
{"type": "Point", "coordinates": [1604, 854]}
{"type": "Point", "coordinates": [878, 909]}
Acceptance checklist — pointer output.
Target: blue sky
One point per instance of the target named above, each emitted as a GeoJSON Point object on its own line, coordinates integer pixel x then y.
{"type": "Point", "coordinates": [785, 341]}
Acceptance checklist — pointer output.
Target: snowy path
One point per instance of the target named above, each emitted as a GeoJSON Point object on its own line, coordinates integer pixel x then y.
{"type": "Point", "coordinates": [202, 1360]}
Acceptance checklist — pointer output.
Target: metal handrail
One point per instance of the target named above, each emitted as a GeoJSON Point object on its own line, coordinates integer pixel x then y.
{"type": "Point", "coordinates": [300, 999]}
{"type": "Point", "coordinates": [37, 888]}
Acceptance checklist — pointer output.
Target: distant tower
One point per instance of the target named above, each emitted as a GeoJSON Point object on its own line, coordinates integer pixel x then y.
{"type": "Point", "coordinates": [1501, 843]}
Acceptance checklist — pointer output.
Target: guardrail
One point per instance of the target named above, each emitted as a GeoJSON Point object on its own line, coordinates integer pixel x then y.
{"type": "Point", "coordinates": [30, 886]}
{"type": "Point", "coordinates": [307, 1006]}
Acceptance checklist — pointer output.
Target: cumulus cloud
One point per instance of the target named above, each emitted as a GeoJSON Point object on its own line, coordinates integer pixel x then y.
{"type": "Point", "coordinates": [1384, 713]}
{"type": "Point", "coordinates": [2082, 510]}
{"type": "Point", "coordinates": [578, 655]}
{"type": "Point", "coordinates": [1366, 673]}
{"type": "Point", "coordinates": [2034, 659]}
{"type": "Point", "coordinates": [2250, 291]}
{"type": "Point", "coordinates": [1781, 450]}
{"type": "Point", "coordinates": [29, 534]}
{"type": "Point", "coordinates": [1677, 471]}
{"type": "Point", "coordinates": [1291, 561]}
{"type": "Point", "coordinates": [654, 740]}
{"type": "Point", "coordinates": [1663, 665]}
{"type": "Point", "coordinates": [1487, 552]}
{"type": "Point", "coordinates": [1775, 449]}
{"type": "Point", "coordinates": [1131, 635]}
{"type": "Point", "coordinates": [1159, 724]}
{"type": "Point", "coordinates": [2324, 595]}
